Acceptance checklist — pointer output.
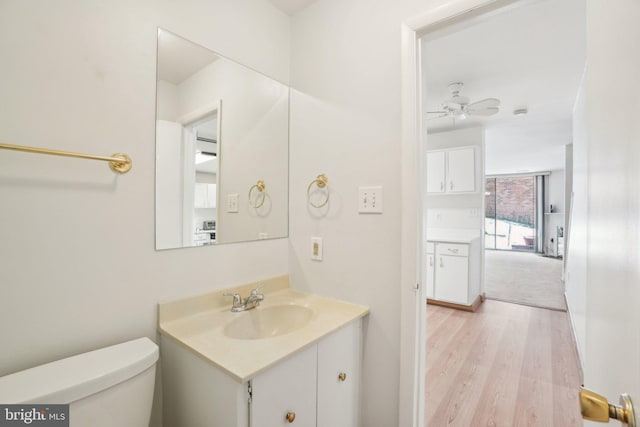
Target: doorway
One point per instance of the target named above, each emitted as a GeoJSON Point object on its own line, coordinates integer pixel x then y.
{"type": "Point", "coordinates": [599, 269]}
{"type": "Point", "coordinates": [476, 79]}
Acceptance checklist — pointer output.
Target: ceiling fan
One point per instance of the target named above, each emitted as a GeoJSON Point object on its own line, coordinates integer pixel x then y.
{"type": "Point", "coordinates": [458, 106]}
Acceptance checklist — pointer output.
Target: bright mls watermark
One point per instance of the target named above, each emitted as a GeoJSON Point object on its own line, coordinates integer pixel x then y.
{"type": "Point", "coordinates": [34, 415]}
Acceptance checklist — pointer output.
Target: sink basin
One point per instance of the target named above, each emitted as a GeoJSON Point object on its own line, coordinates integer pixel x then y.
{"type": "Point", "coordinates": [267, 322]}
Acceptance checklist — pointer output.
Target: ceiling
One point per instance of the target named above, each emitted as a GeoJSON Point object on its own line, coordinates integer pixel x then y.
{"type": "Point", "coordinates": [291, 6]}
{"type": "Point", "coordinates": [532, 57]}
{"type": "Point", "coordinates": [179, 59]}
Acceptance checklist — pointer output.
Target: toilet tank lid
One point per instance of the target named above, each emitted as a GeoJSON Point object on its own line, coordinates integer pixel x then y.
{"type": "Point", "coordinates": [76, 377]}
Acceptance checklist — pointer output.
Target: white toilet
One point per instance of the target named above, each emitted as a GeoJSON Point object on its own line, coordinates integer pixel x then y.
{"type": "Point", "coordinates": [112, 386]}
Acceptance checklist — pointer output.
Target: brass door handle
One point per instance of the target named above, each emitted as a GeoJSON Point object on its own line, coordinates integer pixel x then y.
{"type": "Point", "coordinates": [291, 416]}
{"type": "Point", "coordinates": [342, 376]}
{"type": "Point", "coordinates": [595, 407]}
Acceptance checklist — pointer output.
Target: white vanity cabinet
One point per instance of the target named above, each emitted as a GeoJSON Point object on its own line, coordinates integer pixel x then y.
{"type": "Point", "coordinates": [451, 171]}
{"type": "Point", "coordinates": [339, 357]}
{"type": "Point", "coordinates": [317, 386]}
{"type": "Point", "coordinates": [287, 388]}
{"type": "Point", "coordinates": [454, 273]}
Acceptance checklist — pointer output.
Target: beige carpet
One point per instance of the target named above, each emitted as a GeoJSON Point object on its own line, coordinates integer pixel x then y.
{"type": "Point", "coordinates": [524, 278]}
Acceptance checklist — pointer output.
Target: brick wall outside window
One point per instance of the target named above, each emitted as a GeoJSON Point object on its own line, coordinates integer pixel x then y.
{"type": "Point", "coordinates": [511, 199]}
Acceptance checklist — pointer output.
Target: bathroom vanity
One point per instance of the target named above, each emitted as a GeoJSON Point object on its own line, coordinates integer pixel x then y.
{"type": "Point", "coordinates": [454, 268]}
{"type": "Point", "coordinates": [293, 360]}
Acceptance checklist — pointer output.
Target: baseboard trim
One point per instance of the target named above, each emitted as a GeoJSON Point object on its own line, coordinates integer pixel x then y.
{"type": "Point", "coordinates": [525, 303]}
{"type": "Point", "coordinates": [472, 308]}
{"type": "Point", "coordinates": [574, 338]}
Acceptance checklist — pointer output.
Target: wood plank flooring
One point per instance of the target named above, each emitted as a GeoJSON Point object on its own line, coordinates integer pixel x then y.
{"type": "Point", "coordinates": [504, 365]}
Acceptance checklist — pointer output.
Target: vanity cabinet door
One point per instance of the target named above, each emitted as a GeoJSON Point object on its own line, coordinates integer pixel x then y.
{"type": "Point", "coordinates": [288, 387]}
{"type": "Point", "coordinates": [339, 377]}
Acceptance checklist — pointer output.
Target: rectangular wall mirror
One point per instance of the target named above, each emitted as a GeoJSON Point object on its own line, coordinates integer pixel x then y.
{"type": "Point", "coordinates": [222, 149]}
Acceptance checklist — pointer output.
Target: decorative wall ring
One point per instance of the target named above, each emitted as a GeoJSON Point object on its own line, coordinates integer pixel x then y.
{"type": "Point", "coordinates": [259, 187]}
{"type": "Point", "coordinates": [321, 182]}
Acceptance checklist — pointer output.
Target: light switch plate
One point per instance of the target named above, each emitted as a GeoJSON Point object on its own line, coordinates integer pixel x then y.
{"type": "Point", "coordinates": [232, 203]}
{"type": "Point", "coordinates": [370, 199]}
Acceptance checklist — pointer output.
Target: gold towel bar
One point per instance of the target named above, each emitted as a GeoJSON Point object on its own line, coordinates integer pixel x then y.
{"type": "Point", "coordinates": [119, 162]}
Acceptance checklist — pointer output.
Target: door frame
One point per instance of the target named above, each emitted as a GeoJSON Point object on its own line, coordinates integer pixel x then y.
{"type": "Point", "coordinates": [411, 402]}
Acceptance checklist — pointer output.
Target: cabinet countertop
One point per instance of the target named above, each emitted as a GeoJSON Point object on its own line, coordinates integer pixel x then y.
{"type": "Point", "coordinates": [198, 324]}
{"type": "Point", "coordinates": [452, 235]}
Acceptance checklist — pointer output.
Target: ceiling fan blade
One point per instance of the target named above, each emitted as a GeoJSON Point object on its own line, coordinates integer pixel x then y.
{"type": "Point", "coordinates": [485, 103]}
{"type": "Point", "coordinates": [436, 114]}
{"type": "Point", "coordinates": [457, 101]}
{"type": "Point", "coordinates": [489, 111]}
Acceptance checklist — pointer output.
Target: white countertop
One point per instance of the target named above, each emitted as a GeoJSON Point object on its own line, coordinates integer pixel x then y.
{"type": "Point", "coordinates": [453, 235]}
{"type": "Point", "coordinates": [198, 324]}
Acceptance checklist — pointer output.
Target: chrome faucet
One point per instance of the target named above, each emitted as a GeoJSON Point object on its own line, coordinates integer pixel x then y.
{"type": "Point", "coordinates": [252, 301]}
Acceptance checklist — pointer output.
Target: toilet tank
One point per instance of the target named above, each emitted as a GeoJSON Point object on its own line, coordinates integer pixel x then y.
{"type": "Point", "coordinates": [112, 386]}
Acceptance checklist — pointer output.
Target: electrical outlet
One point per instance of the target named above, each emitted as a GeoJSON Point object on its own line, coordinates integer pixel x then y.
{"type": "Point", "coordinates": [370, 199]}
{"type": "Point", "coordinates": [232, 203]}
{"type": "Point", "coordinates": [316, 248]}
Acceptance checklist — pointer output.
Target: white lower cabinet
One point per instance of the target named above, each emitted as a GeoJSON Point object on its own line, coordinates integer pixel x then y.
{"type": "Point", "coordinates": [431, 268]}
{"type": "Point", "coordinates": [453, 272]}
{"type": "Point", "coordinates": [318, 386]}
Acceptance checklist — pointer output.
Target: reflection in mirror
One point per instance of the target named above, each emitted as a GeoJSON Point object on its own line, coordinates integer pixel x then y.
{"type": "Point", "coordinates": [220, 128]}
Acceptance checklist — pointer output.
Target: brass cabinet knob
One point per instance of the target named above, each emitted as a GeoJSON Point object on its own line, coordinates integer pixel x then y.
{"type": "Point", "coordinates": [342, 376]}
{"type": "Point", "coordinates": [291, 416]}
{"type": "Point", "coordinates": [595, 407]}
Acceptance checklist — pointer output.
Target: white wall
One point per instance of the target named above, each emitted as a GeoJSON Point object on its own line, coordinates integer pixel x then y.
{"type": "Point", "coordinates": [346, 122]}
{"type": "Point", "coordinates": [169, 185]}
{"type": "Point", "coordinates": [79, 269]}
{"type": "Point", "coordinates": [555, 195]}
{"type": "Point", "coordinates": [167, 101]}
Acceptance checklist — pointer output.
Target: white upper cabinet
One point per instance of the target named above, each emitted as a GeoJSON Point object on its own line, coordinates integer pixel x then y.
{"type": "Point", "coordinates": [205, 195]}
{"type": "Point", "coordinates": [462, 170]}
{"type": "Point", "coordinates": [436, 166]}
{"type": "Point", "coordinates": [451, 171]}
